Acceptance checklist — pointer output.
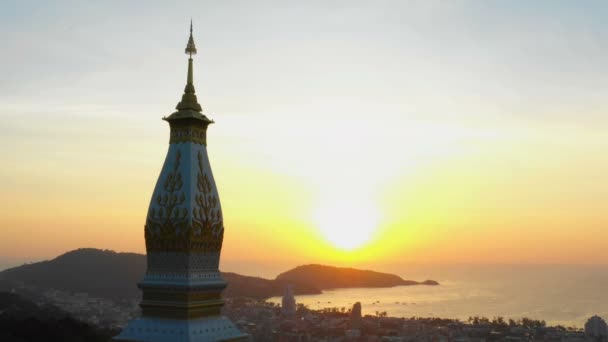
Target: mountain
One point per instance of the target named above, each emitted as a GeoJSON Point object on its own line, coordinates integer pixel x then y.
{"type": "Point", "coordinates": [101, 273]}
{"type": "Point", "coordinates": [107, 274]}
{"type": "Point", "coordinates": [255, 287]}
{"type": "Point", "coordinates": [329, 277]}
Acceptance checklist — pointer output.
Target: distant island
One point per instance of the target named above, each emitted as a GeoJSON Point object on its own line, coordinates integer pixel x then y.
{"type": "Point", "coordinates": [329, 277]}
{"type": "Point", "coordinates": [107, 274]}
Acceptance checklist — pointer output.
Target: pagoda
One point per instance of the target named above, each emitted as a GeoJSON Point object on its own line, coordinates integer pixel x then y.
{"type": "Point", "coordinates": [184, 231]}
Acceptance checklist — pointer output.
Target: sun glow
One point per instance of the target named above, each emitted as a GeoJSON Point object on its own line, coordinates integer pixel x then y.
{"type": "Point", "coordinates": [347, 223]}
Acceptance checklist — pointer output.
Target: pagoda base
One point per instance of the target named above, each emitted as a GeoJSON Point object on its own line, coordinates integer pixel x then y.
{"type": "Point", "coordinates": [209, 329]}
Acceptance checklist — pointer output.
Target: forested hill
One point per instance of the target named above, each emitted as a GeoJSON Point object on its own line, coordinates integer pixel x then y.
{"type": "Point", "coordinates": [329, 277]}
{"type": "Point", "coordinates": [107, 274]}
{"type": "Point", "coordinates": [101, 273]}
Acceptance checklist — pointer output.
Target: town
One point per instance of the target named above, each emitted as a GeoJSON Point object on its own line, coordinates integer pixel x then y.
{"type": "Point", "coordinates": [292, 322]}
{"type": "Point", "coordinates": [265, 321]}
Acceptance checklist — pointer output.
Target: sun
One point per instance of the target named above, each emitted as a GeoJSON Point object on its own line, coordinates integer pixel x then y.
{"type": "Point", "coordinates": [347, 223]}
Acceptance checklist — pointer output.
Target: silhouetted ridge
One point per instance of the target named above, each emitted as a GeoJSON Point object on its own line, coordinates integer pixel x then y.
{"type": "Point", "coordinates": [329, 277]}
{"type": "Point", "coordinates": [101, 273]}
{"type": "Point", "coordinates": [112, 275]}
{"type": "Point", "coordinates": [255, 287]}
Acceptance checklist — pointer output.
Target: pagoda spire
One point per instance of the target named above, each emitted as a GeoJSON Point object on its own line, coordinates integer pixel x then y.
{"type": "Point", "coordinates": [189, 100]}
{"type": "Point", "coordinates": [184, 232]}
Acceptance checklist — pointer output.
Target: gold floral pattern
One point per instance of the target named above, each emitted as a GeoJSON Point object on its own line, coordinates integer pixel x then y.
{"type": "Point", "coordinates": [197, 135]}
{"type": "Point", "coordinates": [207, 216]}
{"type": "Point", "coordinates": [167, 227]}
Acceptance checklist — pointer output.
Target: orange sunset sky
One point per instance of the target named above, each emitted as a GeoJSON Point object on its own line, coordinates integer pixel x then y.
{"type": "Point", "coordinates": [351, 133]}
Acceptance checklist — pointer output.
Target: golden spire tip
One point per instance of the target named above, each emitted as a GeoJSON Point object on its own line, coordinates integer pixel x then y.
{"type": "Point", "coordinates": [191, 48]}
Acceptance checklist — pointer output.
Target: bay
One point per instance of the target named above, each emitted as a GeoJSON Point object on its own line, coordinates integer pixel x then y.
{"type": "Point", "coordinates": [566, 295]}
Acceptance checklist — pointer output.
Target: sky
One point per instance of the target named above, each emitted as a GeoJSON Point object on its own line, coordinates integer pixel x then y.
{"type": "Point", "coordinates": [352, 133]}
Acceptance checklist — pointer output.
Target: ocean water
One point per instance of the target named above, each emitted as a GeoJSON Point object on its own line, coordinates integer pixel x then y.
{"type": "Point", "coordinates": [566, 295]}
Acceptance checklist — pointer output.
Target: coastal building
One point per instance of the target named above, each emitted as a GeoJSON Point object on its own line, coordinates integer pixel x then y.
{"type": "Point", "coordinates": [355, 316]}
{"type": "Point", "coordinates": [288, 303]}
{"type": "Point", "coordinates": [184, 233]}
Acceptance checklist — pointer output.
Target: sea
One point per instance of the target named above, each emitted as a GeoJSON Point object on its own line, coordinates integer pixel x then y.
{"type": "Point", "coordinates": [558, 294]}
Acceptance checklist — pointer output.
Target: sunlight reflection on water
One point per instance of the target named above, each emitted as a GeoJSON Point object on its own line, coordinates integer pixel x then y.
{"type": "Point", "coordinates": [558, 294]}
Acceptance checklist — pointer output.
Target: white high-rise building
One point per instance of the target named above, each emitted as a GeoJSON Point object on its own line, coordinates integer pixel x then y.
{"type": "Point", "coordinates": [288, 303]}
